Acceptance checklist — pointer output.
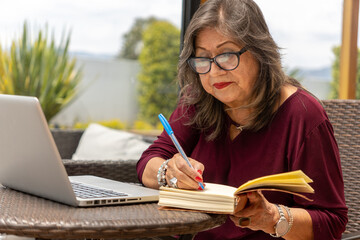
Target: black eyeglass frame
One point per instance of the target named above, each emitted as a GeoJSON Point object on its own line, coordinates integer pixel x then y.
{"type": "Point", "coordinates": [213, 60]}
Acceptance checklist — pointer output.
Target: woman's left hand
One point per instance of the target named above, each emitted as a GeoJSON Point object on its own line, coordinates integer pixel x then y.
{"type": "Point", "coordinates": [259, 214]}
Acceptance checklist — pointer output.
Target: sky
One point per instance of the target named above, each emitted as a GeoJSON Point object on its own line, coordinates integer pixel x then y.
{"type": "Point", "coordinates": [306, 30]}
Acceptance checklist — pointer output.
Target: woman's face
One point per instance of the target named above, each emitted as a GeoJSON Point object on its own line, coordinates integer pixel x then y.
{"type": "Point", "coordinates": [233, 88]}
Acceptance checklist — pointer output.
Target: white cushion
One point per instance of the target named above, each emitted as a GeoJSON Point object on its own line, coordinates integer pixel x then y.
{"type": "Point", "coordinates": [102, 143]}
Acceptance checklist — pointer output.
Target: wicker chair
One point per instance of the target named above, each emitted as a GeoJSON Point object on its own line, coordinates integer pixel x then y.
{"type": "Point", "coordinates": [345, 118]}
{"type": "Point", "coordinates": [343, 114]}
{"type": "Point", "coordinates": [67, 142]}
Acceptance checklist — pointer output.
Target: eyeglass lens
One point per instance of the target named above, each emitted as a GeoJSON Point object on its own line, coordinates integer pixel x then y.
{"type": "Point", "coordinates": [226, 61]}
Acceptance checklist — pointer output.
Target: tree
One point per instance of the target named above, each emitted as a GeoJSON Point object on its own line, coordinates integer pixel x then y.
{"type": "Point", "coordinates": [132, 41]}
{"type": "Point", "coordinates": [158, 59]}
{"type": "Point", "coordinates": [334, 93]}
{"type": "Point", "coordinates": [40, 68]}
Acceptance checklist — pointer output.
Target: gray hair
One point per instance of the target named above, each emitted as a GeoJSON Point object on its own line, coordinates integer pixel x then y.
{"type": "Point", "coordinates": [243, 22]}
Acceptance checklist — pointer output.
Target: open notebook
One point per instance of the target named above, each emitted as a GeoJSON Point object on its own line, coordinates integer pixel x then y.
{"type": "Point", "coordinates": [31, 163]}
{"type": "Point", "coordinates": [218, 198]}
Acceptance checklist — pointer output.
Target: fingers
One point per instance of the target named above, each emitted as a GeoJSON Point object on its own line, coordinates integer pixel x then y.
{"type": "Point", "coordinates": [187, 177]}
{"type": "Point", "coordinates": [255, 200]}
{"type": "Point", "coordinates": [199, 167]}
{"type": "Point", "coordinates": [241, 202]}
{"type": "Point", "coordinates": [258, 213]}
{"type": "Point", "coordinates": [251, 199]}
{"type": "Point", "coordinates": [246, 213]}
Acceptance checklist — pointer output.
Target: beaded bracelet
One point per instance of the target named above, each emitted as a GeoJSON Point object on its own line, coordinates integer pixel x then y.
{"type": "Point", "coordinates": [162, 173]}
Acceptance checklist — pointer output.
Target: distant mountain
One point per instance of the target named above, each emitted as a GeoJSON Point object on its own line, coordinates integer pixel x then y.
{"type": "Point", "coordinates": [91, 55]}
{"type": "Point", "coordinates": [321, 74]}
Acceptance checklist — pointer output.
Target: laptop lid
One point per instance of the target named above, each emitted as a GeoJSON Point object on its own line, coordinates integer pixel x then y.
{"type": "Point", "coordinates": [30, 161]}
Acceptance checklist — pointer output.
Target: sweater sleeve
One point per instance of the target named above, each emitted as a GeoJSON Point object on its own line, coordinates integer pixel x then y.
{"type": "Point", "coordinates": [319, 158]}
{"type": "Point", "coordinates": [163, 147]}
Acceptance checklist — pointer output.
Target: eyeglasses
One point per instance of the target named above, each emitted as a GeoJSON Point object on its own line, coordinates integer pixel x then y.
{"type": "Point", "coordinates": [226, 61]}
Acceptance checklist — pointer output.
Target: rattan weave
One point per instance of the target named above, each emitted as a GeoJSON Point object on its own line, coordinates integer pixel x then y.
{"type": "Point", "coordinates": [345, 118]}
{"type": "Point", "coordinates": [119, 170]}
{"type": "Point", "coordinates": [67, 142]}
{"type": "Point", "coordinates": [26, 215]}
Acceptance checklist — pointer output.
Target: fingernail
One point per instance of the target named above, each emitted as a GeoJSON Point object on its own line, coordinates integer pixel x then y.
{"type": "Point", "coordinates": [200, 188]}
{"type": "Point", "coordinates": [199, 179]}
{"type": "Point", "coordinates": [199, 171]}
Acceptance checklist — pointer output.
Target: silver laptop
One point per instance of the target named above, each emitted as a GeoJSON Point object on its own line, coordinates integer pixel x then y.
{"type": "Point", "coordinates": [31, 163]}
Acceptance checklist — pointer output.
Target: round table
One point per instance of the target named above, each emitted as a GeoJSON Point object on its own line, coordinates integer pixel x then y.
{"type": "Point", "coordinates": [31, 216]}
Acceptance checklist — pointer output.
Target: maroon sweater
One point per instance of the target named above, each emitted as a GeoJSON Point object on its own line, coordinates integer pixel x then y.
{"type": "Point", "coordinates": [299, 137]}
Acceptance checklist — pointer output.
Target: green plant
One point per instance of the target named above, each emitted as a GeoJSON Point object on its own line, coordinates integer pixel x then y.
{"type": "Point", "coordinates": [334, 93]}
{"type": "Point", "coordinates": [113, 123]}
{"type": "Point", "coordinates": [132, 40]}
{"type": "Point", "coordinates": [40, 69]}
{"type": "Point", "coordinates": [157, 89]}
{"type": "Point", "coordinates": [142, 125]}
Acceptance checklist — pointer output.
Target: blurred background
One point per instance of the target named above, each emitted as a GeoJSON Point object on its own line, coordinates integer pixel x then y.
{"type": "Point", "coordinates": [125, 54]}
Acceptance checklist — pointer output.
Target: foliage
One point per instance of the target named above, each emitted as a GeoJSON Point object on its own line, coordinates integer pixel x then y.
{"type": "Point", "coordinates": [334, 93]}
{"type": "Point", "coordinates": [142, 125]}
{"type": "Point", "coordinates": [117, 124]}
{"type": "Point", "coordinates": [132, 40]}
{"type": "Point", "coordinates": [40, 69]}
{"type": "Point", "coordinates": [157, 90]}
{"type": "Point", "coordinates": [113, 123]}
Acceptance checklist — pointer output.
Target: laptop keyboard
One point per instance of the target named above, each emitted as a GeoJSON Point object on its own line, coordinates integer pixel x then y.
{"type": "Point", "coordinates": [86, 191]}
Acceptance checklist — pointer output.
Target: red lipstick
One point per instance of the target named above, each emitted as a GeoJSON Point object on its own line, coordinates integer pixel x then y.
{"type": "Point", "coordinates": [221, 85]}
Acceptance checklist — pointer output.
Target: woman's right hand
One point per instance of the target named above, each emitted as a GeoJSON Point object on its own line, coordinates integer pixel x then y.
{"type": "Point", "coordinates": [187, 177]}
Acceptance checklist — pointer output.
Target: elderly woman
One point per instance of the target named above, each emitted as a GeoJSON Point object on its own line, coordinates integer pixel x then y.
{"type": "Point", "coordinates": [240, 117]}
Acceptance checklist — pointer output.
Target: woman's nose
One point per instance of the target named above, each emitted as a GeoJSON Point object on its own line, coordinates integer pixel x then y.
{"type": "Point", "coordinates": [216, 70]}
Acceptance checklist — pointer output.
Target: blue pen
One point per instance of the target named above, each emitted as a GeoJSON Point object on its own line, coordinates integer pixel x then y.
{"type": "Point", "coordinates": [170, 132]}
